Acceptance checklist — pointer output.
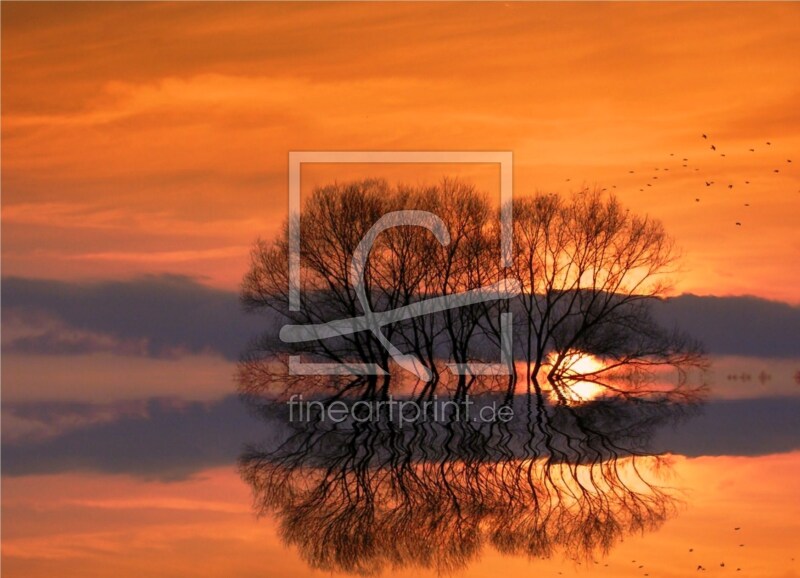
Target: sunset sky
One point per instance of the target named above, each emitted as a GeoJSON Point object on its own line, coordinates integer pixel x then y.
{"type": "Point", "coordinates": [145, 147]}
{"type": "Point", "coordinates": [154, 137]}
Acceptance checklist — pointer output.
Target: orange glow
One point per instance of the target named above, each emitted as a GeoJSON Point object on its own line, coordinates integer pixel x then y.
{"type": "Point", "coordinates": [577, 365]}
{"type": "Point", "coordinates": [582, 364]}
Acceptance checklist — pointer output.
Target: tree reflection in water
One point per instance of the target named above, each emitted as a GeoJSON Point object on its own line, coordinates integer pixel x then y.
{"type": "Point", "coordinates": [570, 473]}
{"type": "Point", "coordinates": [557, 478]}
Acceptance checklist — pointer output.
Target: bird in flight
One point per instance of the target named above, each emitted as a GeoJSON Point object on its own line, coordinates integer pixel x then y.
{"type": "Point", "coordinates": [713, 148]}
{"type": "Point", "coordinates": [730, 186]}
{"type": "Point", "coordinates": [769, 143]}
{"type": "Point", "coordinates": [738, 224]}
{"type": "Point", "coordinates": [705, 136]}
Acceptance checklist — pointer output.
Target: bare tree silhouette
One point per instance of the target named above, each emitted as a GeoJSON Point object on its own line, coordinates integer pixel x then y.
{"type": "Point", "coordinates": [405, 265]}
{"type": "Point", "coordinates": [570, 473]}
{"type": "Point", "coordinates": [589, 270]}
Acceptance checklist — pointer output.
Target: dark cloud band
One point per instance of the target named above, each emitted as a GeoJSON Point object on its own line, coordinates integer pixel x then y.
{"type": "Point", "coordinates": [171, 440]}
{"type": "Point", "coordinates": [166, 316]}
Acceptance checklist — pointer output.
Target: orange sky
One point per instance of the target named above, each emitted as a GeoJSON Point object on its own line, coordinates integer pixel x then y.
{"type": "Point", "coordinates": [153, 137]}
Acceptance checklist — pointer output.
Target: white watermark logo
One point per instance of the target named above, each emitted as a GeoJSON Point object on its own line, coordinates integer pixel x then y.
{"type": "Point", "coordinates": [373, 321]}
{"type": "Point", "coordinates": [399, 411]}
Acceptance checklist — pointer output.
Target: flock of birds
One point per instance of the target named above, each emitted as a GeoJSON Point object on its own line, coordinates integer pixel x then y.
{"type": "Point", "coordinates": [710, 183]}
{"type": "Point", "coordinates": [710, 178]}
{"type": "Point", "coordinates": [727, 185]}
{"type": "Point", "coordinates": [700, 567]}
